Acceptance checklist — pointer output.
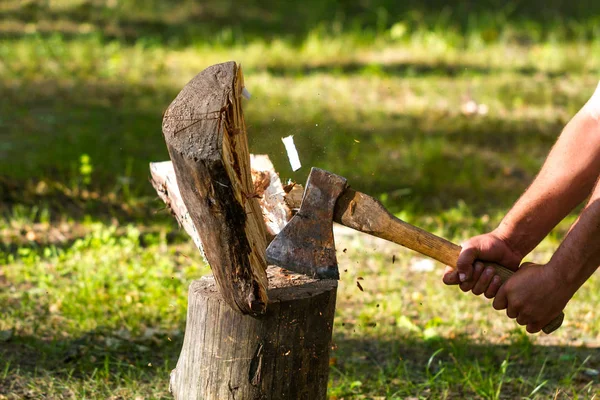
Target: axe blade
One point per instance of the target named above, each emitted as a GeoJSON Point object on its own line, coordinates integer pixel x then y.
{"type": "Point", "coordinates": [306, 244]}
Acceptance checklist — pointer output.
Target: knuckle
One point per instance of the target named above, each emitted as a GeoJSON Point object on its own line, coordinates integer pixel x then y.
{"type": "Point", "coordinates": [517, 305]}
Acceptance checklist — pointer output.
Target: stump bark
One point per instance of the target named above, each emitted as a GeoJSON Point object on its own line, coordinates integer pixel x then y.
{"type": "Point", "coordinates": [284, 354]}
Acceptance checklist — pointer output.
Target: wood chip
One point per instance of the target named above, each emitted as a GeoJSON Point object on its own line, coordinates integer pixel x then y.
{"type": "Point", "coordinates": [359, 286]}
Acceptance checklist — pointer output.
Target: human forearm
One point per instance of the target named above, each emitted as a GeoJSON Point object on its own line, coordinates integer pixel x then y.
{"type": "Point", "coordinates": [566, 179]}
{"type": "Point", "coordinates": [579, 254]}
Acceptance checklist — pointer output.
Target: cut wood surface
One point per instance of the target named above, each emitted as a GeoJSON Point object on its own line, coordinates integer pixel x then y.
{"type": "Point", "coordinates": [276, 204]}
{"type": "Point", "coordinates": [270, 194]}
{"type": "Point", "coordinates": [283, 354]}
{"type": "Point", "coordinates": [165, 183]}
{"type": "Point", "coordinates": [206, 137]}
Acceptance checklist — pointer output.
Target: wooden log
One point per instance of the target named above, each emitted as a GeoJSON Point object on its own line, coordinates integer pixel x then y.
{"type": "Point", "coordinates": [206, 137]}
{"type": "Point", "coordinates": [275, 203]}
{"type": "Point", "coordinates": [283, 354]}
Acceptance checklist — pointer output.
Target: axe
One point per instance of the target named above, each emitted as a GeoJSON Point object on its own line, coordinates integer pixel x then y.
{"type": "Point", "coordinates": [306, 243]}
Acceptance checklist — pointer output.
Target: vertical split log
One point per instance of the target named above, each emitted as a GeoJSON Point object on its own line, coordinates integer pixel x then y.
{"type": "Point", "coordinates": [206, 137]}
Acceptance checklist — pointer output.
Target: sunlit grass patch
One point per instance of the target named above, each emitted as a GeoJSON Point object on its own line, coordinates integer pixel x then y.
{"type": "Point", "coordinates": [101, 281]}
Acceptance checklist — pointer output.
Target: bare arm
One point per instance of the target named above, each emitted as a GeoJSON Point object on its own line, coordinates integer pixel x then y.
{"type": "Point", "coordinates": [579, 254]}
{"type": "Point", "coordinates": [564, 181]}
{"type": "Point", "coordinates": [566, 178]}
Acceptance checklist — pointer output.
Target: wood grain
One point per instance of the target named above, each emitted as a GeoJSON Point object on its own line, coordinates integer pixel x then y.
{"type": "Point", "coordinates": [205, 133]}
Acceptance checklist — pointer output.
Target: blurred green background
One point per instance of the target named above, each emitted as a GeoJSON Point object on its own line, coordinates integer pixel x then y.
{"type": "Point", "coordinates": [444, 110]}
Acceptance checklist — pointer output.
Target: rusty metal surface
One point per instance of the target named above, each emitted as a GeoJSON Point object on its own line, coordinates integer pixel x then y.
{"type": "Point", "coordinates": [306, 244]}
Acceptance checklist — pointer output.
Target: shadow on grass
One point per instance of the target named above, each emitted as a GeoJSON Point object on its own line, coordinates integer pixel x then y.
{"type": "Point", "coordinates": [405, 69]}
{"type": "Point", "coordinates": [403, 366]}
{"type": "Point", "coordinates": [421, 162]}
{"type": "Point", "coordinates": [185, 22]}
{"type": "Point", "coordinates": [461, 367]}
{"type": "Point", "coordinates": [105, 359]}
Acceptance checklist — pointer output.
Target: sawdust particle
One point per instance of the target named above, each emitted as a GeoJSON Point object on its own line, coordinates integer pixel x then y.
{"type": "Point", "coordinates": [359, 286]}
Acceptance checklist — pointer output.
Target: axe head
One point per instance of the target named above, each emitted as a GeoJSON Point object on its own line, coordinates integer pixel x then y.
{"type": "Point", "coordinates": [306, 243]}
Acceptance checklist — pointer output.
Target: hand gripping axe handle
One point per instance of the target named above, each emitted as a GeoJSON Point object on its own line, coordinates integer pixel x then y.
{"type": "Point", "coordinates": [306, 243]}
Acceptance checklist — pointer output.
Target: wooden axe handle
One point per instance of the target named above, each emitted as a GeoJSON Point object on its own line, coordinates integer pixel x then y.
{"type": "Point", "coordinates": [366, 214]}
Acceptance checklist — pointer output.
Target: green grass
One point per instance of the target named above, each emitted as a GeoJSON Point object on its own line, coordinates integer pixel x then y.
{"type": "Point", "coordinates": [94, 273]}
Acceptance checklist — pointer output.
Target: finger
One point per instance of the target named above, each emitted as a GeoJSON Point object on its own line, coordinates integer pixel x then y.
{"type": "Point", "coordinates": [511, 312]}
{"type": "Point", "coordinates": [533, 328]}
{"type": "Point", "coordinates": [522, 319]}
{"type": "Point", "coordinates": [492, 290]}
{"type": "Point", "coordinates": [450, 276]}
{"type": "Point", "coordinates": [484, 281]}
{"type": "Point", "coordinates": [465, 286]}
{"type": "Point", "coordinates": [500, 301]}
{"type": "Point", "coordinates": [468, 285]}
{"type": "Point", "coordinates": [464, 263]}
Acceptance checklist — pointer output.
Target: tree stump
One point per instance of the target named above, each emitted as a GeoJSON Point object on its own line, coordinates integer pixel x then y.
{"type": "Point", "coordinates": [235, 347]}
{"type": "Point", "coordinates": [284, 354]}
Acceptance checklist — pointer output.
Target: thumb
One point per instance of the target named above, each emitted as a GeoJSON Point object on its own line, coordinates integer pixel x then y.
{"type": "Point", "coordinates": [465, 261]}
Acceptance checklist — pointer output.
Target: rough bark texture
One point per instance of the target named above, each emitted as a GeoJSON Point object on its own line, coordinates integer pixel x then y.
{"type": "Point", "coordinates": [283, 354]}
{"type": "Point", "coordinates": [206, 137]}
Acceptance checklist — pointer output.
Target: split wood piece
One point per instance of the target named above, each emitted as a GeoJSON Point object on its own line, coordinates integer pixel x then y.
{"type": "Point", "coordinates": [270, 194]}
{"type": "Point", "coordinates": [283, 354]}
{"type": "Point", "coordinates": [276, 208]}
{"type": "Point", "coordinates": [164, 182]}
{"type": "Point", "coordinates": [206, 137]}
